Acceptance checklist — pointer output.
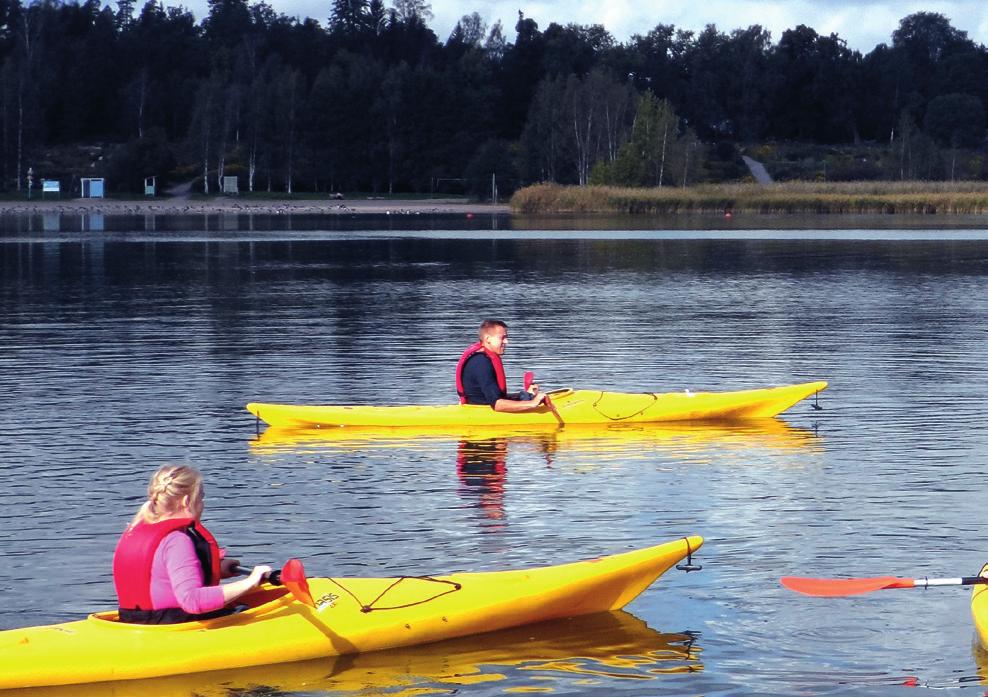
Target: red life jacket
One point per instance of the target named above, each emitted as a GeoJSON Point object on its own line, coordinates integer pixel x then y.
{"type": "Point", "coordinates": [135, 553]}
{"type": "Point", "coordinates": [495, 360]}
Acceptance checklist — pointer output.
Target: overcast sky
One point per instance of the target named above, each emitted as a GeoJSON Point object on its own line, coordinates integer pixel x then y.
{"type": "Point", "coordinates": [863, 23]}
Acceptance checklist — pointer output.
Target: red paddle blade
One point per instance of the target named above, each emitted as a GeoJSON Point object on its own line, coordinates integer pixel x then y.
{"type": "Point", "coordinates": [529, 378]}
{"type": "Point", "coordinates": [293, 578]}
{"type": "Point", "coordinates": [836, 587]}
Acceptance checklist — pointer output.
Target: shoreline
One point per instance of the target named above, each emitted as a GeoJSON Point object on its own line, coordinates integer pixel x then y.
{"type": "Point", "coordinates": [790, 198]}
{"type": "Point", "coordinates": [234, 206]}
{"type": "Point", "coordinates": [95, 213]}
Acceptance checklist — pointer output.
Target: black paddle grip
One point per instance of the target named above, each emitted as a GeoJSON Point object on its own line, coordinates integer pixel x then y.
{"type": "Point", "coordinates": [274, 578]}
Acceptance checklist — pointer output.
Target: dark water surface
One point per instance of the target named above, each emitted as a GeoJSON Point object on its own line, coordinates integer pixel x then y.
{"type": "Point", "coordinates": [124, 349]}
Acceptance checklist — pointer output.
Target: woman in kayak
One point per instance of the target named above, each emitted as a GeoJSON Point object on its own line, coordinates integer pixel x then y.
{"type": "Point", "coordinates": [480, 374]}
{"type": "Point", "coordinates": [167, 566]}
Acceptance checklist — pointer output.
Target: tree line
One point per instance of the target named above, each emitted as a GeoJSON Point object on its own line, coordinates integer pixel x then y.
{"type": "Point", "coordinates": [370, 99]}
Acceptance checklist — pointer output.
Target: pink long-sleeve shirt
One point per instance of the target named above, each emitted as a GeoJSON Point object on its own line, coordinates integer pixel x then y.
{"type": "Point", "coordinates": [177, 578]}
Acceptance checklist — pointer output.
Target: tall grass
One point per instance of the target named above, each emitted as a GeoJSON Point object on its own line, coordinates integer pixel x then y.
{"type": "Point", "coordinates": [790, 197]}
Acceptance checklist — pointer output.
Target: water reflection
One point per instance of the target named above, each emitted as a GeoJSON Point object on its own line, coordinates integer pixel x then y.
{"type": "Point", "coordinates": [73, 219]}
{"type": "Point", "coordinates": [81, 219]}
{"type": "Point", "coordinates": [131, 348]}
{"type": "Point", "coordinates": [484, 458]}
{"type": "Point", "coordinates": [481, 465]}
{"type": "Point", "coordinates": [980, 655]}
{"type": "Point", "coordinates": [550, 657]}
{"type": "Point", "coordinates": [93, 222]}
{"type": "Point", "coordinates": [604, 443]}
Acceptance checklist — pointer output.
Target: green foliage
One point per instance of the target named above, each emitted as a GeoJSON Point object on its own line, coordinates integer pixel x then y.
{"type": "Point", "coordinates": [658, 153]}
{"type": "Point", "coordinates": [497, 158]}
{"type": "Point", "coordinates": [143, 157]}
{"type": "Point", "coordinates": [374, 101]}
{"type": "Point", "coordinates": [955, 120]}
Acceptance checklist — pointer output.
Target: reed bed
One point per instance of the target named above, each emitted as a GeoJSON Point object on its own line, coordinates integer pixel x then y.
{"type": "Point", "coordinates": [908, 197]}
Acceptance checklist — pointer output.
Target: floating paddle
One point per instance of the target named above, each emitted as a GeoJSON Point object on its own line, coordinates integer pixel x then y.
{"type": "Point", "coordinates": [291, 576]}
{"type": "Point", "coordinates": [838, 587]}
{"type": "Point", "coordinates": [529, 378]}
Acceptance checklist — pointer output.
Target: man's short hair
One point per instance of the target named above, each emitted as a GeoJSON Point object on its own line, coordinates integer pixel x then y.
{"type": "Point", "coordinates": [488, 325]}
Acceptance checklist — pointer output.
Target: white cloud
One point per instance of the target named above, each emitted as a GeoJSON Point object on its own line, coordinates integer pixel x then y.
{"type": "Point", "coordinates": [863, 23]}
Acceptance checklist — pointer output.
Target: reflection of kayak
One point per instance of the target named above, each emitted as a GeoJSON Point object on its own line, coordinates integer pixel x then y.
{"type": "Point", "coordinates": [602, 440]}
{"type": "Point", "coordinates": [571, 407]}
{"type": "Point", "coordinates": [615, 642]}
{"type": "Point", "coordinates": [352, 615]}
{"type": "Point", "coordinates": [979, 609]}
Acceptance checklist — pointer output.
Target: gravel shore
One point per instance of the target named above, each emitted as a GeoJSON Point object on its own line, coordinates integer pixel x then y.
{"type": "Point", "coordinates": [230, 205]}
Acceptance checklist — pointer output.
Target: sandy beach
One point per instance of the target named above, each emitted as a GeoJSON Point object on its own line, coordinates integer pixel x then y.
{"type": "Point", "coordinates": [232, 205]}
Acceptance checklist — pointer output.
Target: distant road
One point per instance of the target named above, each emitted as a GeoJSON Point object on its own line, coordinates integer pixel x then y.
{"type": "Point", "coordinates": [757, 170]}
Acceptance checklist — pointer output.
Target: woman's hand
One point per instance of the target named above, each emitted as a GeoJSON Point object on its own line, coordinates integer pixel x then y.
{"type": "Point", "coordinates": [258, 574]}
{"type": "Point", "coordinates": [234, 589]}
{"type": "Point", "coordinates": [228, 567]}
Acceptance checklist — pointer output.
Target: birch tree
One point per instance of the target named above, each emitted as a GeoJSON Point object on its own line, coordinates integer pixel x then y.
{"type": "Point", "coordinates": [205, 124]}
{"type": "Point", "coordinates": [597, 108]}
{"type": "Point", "coordinates": [583, 110]}
{"type": "Point", "coordinates": [287, 110]}
{"type": "Point", "coordinates": [656, 154]}
{"type": "Point", "coordinates": [542, 139]}
{"type": "Point", "coordinates": [27, 59]}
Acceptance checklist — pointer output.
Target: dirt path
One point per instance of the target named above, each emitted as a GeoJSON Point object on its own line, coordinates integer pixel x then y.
{"type": "Point", "coordinates": [180, 192]}
{"type": "Point", "coordinates": [757, 170]}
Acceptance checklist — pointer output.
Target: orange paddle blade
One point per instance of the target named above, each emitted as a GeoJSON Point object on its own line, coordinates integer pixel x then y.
{"type": "Point", "coordinates": [293, 578]}
{"type": "Point", "coordinates": [836, 587]}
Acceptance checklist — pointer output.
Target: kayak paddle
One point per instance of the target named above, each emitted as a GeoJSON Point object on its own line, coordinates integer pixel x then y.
{"type": "Point", "coordinates": [838, 587]}
{"type": "Point", "coordinates": [529, 378]}
{"type": "Point", "coordinates": [291, 576]}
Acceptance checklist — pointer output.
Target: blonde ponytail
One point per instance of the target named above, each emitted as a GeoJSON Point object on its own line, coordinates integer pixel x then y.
{"type": "Point", "coordinates": [168, 487]}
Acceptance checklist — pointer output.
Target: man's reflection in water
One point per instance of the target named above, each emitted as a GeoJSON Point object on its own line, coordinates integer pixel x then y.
{"type": "Point", "coordinates": [482, 469]}
{"type": "Point", "coordinates": [481, 464]}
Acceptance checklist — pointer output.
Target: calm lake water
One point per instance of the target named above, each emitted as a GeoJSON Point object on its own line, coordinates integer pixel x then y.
{"type": "Point", "coordinates": [126, 344]}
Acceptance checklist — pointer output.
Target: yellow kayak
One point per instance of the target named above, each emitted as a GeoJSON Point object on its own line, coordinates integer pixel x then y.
{"type": "Point", "coordinates": [351, 615]}
{"type": "Point", "coordinates": [578, 648]}
{"type": "Point", "coordinates": [571, 407]}
{"type": "Point", "coordinates": [979, 609]}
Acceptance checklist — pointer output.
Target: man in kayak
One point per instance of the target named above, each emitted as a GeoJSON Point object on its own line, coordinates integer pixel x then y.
{"type": "Point", "coordinates": [167, 566]}
{"type": "Point", "coordinates": [480, 373]}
